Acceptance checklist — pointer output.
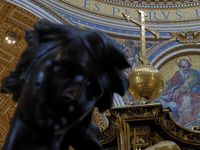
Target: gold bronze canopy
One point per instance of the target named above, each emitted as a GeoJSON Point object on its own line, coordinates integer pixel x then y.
{"type": "Point", "coordinates": [145, 82]}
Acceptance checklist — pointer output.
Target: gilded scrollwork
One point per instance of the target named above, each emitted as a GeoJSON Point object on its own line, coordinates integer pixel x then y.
{"type": "Point", "coordinates": [187, 37]}
{"type": "Point", "coordinates": [137, 112]}
{"type": "Point", "coordinates": [164, 126]}
{"type": "Point", "coordinates": [178, 132]}
{"type": "Point", "coordinates": [110, 133]}
{"type": "Point", "coordinates": [197, 138]}
{"type": "Point", "coordinates": [156, 138]}
{"type": "Point", "coordinates": [100, 119]}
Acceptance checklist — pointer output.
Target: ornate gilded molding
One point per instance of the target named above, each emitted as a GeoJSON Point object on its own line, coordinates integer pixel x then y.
{"type": "Point", "coordinates": [148, 111]}
{"type": "Point", "coordinates": [41, 9]}
{"type": "Point", "coordinates": [153, 4]}
{"type": "Point", "coordinates": [100, 119]}
{"type": "Point", "coordinates": [161, 15]}
{"type": "Point", "coordinates": [187, 51]}
{"type": "Point", "coordinates": [187, 37]}
{"type": "Point", "coordinates": [110, 133]}
{"type": "Point", "coordinates": [145, 125]}
{"type": "Point", "coordinates": [178, 132]}
{"type": "Point", "coordinates": [50, 10]}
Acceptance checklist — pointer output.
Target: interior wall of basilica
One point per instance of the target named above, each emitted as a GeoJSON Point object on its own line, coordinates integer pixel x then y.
{"type": "Point", "coordinates": [177, 21]}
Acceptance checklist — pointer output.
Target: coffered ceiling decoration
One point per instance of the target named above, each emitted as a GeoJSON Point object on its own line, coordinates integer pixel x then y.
{"type": "Point", "coordinates": [40, 9]}
{"type": "Point", "coordinates": [13, 23]}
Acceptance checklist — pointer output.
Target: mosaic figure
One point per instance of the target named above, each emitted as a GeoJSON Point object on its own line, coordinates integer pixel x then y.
{"type": "Point", "coordinates": [132, 53]}
{"type": "Point", "coordinates": [182, 93]}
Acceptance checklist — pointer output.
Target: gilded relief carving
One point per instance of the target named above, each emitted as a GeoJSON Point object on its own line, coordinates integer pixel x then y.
{"type": "Point", "coordinates": [156, 138]}
{"type": "Point", "coordinates": [140, 138]}
{"type": "Point", "coordinates": [177, 131]}
{"type": "Point", "coordinates": [187, 37]}
{"type": "Point", "coordinates": [136, 113]}
{"type": "Point", "coordinates": [164, 126]}
{"type": "Point", "coordinates": [100, 119]}
{"type": "Point", "coordinates": [110, 133]}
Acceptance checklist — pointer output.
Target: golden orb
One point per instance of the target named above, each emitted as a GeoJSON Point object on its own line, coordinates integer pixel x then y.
{"type": "Point", "coordinates": [145, 82]}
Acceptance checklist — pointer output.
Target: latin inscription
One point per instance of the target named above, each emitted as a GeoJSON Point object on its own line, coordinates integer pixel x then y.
{"type": "Point", "coordinates": [155, 15]}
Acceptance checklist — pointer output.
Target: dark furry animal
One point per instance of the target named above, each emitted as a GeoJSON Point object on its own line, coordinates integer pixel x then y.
{"type": "Point", "coordinates": [63, 74]}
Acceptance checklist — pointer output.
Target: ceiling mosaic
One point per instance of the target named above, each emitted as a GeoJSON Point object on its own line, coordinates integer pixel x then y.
{"type": "Point", "coordinates": [177, 21]}
{"type": "Point", "coordinates": [157, 14]}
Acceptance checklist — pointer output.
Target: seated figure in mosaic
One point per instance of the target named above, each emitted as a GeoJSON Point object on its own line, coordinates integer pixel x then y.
{"type": "Point", "coordinates": [182, 93]}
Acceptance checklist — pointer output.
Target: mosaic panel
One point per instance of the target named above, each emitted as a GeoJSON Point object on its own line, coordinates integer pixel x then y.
{"type": "Point", "coordinates": [182, 89]}
{"type": "Point", "coordinates": [131, 48]}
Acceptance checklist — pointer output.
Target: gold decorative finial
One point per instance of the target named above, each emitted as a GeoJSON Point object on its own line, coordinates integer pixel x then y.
{"type": "Point", "coordinates": [141, 24]}
{"type": "Point", "coordinates": [145, 81]}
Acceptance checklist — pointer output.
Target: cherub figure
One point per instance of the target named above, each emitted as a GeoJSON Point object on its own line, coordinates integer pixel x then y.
{"type": "Point", "coordinates": [63, 74]}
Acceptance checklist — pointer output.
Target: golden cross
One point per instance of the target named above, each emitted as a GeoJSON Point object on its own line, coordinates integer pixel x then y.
{"type": "Point", "coordinates": [141, 24]}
